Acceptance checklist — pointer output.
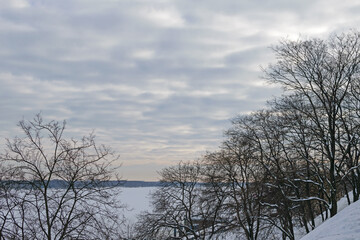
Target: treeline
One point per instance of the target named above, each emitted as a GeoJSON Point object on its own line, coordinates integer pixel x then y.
{"type": "Point", "coordinates": [62, 184]}
{"type": "Point", "coordinates": [280, 167]}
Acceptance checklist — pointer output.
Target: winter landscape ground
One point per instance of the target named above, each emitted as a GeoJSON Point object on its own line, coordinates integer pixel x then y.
{"type": "Point", "coordinates": [136, 200]}
{"type": "Point", "coordinates": [344, 226]}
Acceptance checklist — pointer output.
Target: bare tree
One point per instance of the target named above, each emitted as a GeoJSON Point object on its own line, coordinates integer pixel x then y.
{"type": "Point", "coordinates": [181, 208]}
{"type": "Point", "coordinates": [282, 150]}
{"type": "Point", "coordinates": [235, 175]}
{"type": "Point", "coordinates": [55, 187]}
{"type": "Point", "coordinates": [323, 73]}
{"type": "Point", "coordinates": [267, 138]}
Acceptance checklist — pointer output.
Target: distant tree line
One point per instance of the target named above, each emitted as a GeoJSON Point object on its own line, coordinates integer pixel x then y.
{"type": "Point", "coordinates": [280, 167]}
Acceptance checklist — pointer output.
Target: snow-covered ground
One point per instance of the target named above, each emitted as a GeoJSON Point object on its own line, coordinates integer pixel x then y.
{"type": "Point", "coordinates": [136, 201]}
{"type": "Point", "coordinates": [343, 226]}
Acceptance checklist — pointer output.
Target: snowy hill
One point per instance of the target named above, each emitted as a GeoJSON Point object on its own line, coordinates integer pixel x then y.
{"type": "Point", "coordinates": [343, 226]}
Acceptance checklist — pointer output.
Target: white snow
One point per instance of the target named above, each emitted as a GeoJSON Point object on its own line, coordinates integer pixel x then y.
{"type": "Point", "coordinates": [345, 225]}
{"type": "Point", "coordinates": [136, 201]}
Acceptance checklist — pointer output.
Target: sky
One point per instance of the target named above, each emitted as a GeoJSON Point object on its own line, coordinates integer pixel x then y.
{"type": "Point", "coordinates": [157, 81]}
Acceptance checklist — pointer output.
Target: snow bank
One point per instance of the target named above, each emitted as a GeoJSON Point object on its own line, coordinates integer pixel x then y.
{"type": "Point", "coordinates": [343, 226]}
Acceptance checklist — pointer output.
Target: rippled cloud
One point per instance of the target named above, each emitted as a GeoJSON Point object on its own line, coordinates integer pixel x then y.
{"type": "Point", "coordinates": [157, 80]}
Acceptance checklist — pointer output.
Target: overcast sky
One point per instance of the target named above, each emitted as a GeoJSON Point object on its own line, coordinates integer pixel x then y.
{"type": "Point", "coordinates": [158, 80]}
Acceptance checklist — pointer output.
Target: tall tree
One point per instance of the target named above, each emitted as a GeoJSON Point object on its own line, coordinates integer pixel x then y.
{"type": "Point", "coordinates": [323, 73]}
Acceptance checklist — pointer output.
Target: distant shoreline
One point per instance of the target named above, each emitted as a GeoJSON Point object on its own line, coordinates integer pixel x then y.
{"type": "Point", "coordinates": [56, 183]}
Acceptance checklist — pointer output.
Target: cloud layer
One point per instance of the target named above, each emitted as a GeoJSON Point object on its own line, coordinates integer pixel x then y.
{"type": "Point", "coordinates": [157, 80]}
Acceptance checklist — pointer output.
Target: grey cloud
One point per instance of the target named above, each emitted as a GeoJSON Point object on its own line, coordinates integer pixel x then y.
{"type": "Point", "coordinates": [158, 80]}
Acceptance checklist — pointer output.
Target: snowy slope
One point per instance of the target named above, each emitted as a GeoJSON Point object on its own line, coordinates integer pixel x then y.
{"type": "Point", "coordinates": [343, 226]}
